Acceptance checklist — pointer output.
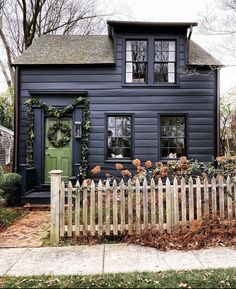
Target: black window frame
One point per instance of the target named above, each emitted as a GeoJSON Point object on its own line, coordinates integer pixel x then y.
{"type": "Point", "coordinates": [122, 160]}
{"type": "Point", "coordinates": [165, 62]}
{"type": "Point", "coordinates": [186, 145]}
{"type": "Point", "coordinates": [137, 62]}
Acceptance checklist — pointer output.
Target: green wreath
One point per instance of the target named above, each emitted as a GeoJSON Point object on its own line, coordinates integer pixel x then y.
{"type": "Point", "coordinates": [52, 134]}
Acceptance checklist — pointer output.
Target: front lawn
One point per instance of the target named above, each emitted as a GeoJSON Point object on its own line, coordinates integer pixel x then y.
{"type": "Point", "coordinates": [8, 216]}
{"type": "Point", "coordinates": [218, 278]}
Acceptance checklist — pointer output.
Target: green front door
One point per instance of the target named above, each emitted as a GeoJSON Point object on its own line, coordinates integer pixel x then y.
{"type": "Point", "coordinates": [58, 158]}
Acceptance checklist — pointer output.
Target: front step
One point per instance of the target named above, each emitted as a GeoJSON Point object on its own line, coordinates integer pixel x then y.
{"type": "Point", "coordinates": [36, 198]}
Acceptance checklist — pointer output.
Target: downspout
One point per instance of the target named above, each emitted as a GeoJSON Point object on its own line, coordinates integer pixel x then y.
{"type": "Point", "coordinates": [217, 111]}
{"type": "Point", "coordinates": [188, 42]}
{"type": "Point", "coordinates": [16, 120]}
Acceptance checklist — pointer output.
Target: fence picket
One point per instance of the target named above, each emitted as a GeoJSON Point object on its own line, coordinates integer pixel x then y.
{"type": "Point", "coordinates": [69, 227]}
{"type": "Point", "coordinates": [77, 209]}
{"type": "Point", "coordinates": [153, 204]}
{"type": "Point", "coordinates": [100, 211]}
{"type": "Point", "coordinates": [214, 198]}
{"type": "Point", "coordinates": [176, 203]}
{"type": "Point", "coordinates": [85, 208]}
{"type": "Point", "coordinates": [62, 210]}
{"type": "Point", "coordinates": [221, 198]}
{"type": "Point", "coordinates": [168, 206]}
{"type": "Point", "coordinates": [130, 208]}
{"type": "Point", "coordinates": [183, 201]}
{"type": "Point", "coordinates": [138, 218]}
{"type": "Point", "coordinates": [160, 204]}
{"type": "Point", "coordinates": [92, 208]}
{"type": "Point", "coordinates": [191, 200]}
{"type": "Point", "coordinates": [115, 221]}
{"type": "Point", "coordinates": [145, 203]}
{"type": "Point", "coordinates": [122, 206]}
{"type": "Point", "coordinates": [199, 199]}
{"type": "Point", "coordinates": [206, 199]}
{"type": "Point", "coordinates": [108, 208]}
{"type": "Point", "coordinates": [229, 198]}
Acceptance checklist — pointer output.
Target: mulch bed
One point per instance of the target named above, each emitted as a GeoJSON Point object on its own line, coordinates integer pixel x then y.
{"type": "Point", "coordinates": [199, 235]}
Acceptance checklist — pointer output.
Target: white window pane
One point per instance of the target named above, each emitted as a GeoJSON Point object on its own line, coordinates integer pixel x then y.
{"type": "Point", "coordinates": [128, 46]}
{"type": "Point", "coordinates": [171, 56]}
{"type": "Point", "coordinates": [172, 46]}
{"type": "Point", "coordinates": [129, 67]}
{"type": "Point", "coordinates": [171, 67]}
{"type": "Point", "coordinates": [129, 77]}
{"type": "Point", "coordinates": [128, 56]}
{"type": "Point", "coordinates": [171, 77]}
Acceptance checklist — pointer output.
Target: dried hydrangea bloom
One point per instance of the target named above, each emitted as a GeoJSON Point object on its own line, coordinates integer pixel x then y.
{"type": "Point", "coordinates": [119, 166]}
{"type": "Point", "coordinates": [221, 159]}
{"type": "Point", "coordinates": [141, 169]}
{"type": "Point", "coordinates": [183, 160]}
{"type": "Point", "coordinates": [171, 163]}
{"type": "Point", "coordinates": [183, 166]}
{"type": "Point", "coordinates": [96, 170]}
{"type": "Point", "coordinates": [126, 173]}
{"type": "Point", "coordinates": [136, 162]}
{"type": "Point", "coordinates": [165, 169]}
{"type": "Point", "coordinates": [159, 164]}
{"type": "Point", "coordinates": [148, 164]}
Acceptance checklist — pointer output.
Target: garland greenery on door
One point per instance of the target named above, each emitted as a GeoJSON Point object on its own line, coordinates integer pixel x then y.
{"type": "Point", "coordinates": [59, 112]}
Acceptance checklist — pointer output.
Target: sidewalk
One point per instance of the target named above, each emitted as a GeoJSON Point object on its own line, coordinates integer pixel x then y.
{"type": "Point", "coordinates": [109, 258]}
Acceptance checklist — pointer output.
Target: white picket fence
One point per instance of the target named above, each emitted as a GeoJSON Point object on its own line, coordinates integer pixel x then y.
{"type": "Point", "coordinates": [120, 208]}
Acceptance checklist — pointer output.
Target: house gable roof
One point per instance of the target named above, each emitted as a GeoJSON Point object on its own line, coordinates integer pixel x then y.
{"type": "Point", "coordinates": [68, 49]}
{"type": "Point", "coordinates": [90, 50]}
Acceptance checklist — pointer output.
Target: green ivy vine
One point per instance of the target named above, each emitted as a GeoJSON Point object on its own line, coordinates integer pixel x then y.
{"type": "Point", "coordinates": [59, 112]}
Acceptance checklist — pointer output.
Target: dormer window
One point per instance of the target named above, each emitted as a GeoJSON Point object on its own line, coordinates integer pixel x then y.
{"type": "Point", "coordinates": [136, 61]}
{"type": "Point", "coordinates": [164, 61]}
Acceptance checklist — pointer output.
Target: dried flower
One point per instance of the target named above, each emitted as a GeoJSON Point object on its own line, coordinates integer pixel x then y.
{"type": "Point", "coordinates": [96, 170]}
{"type": "Point", "coordinates": [148, 164]}
{"type": "Point", "coordinates": [171, 163]}
{"type": "Point", "coordinates": [108, 175]}
{"type": "Point", "coordinates": [183, 160]}
{"type": "Point", "coordinates": [88, 181]}
{"type": "Point", "coordinates": [119, 166]}
{"type": "Point", "coordinates": [126, 173]}
{"type": "Point", "coordinates": [136, 162]}
{"type": "Point", "coordinates": [184, 166]}
{"type": "Point", "coordinates": [159, 164]}
{"type": "Point", "coordinates": [221, 159]}
{"type": "Point", "coordinates": [164, 169]}
{"type": "Point", "coordinates": [141, 169]}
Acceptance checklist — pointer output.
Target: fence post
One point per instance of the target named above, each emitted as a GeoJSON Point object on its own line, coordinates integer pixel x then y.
{"type": "Point", "coordinates": [55, 205]}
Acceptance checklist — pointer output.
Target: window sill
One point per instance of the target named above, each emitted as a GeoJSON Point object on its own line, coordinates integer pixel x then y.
{"type": "Point", "coordinates": [118, 161]}
{"type": "Point", "coordinates": [171, 85]}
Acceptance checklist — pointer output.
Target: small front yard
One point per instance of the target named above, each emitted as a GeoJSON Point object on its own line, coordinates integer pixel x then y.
{"type": "Point", "coordinates": [8, 216]}
{"type": "Point", "coordinates": [218, 278]}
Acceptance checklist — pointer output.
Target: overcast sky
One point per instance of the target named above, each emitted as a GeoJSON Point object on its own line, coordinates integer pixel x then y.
{"type": "Point", "coordinates": [171, 10]}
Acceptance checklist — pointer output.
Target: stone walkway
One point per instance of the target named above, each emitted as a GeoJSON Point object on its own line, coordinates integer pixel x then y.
{"type": "Point", "coordinates": [109, 258]}
{"type": "Point", "coordinates": [27, 231]}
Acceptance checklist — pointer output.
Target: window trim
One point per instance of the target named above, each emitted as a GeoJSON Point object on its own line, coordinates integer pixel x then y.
{"type": "Point", "coordinates": [186, 115]}
{"type": "Point", "coordinates": [150, 46]}
{"type": "Point", "coordinates": [110, 160]}
{"type": "Point", "coordinates": [146, 62]}
{"type": "Point", "coordinates": [175, 63]}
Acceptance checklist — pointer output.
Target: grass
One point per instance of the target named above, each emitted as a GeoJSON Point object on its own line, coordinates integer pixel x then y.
{"type": "Point", "coordinates": [217, 278]}
{"type": "Point", "coordinates": [8, 216]}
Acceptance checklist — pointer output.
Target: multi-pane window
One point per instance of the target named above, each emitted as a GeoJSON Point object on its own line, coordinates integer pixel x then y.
{"type": "Point", "coordinates": [173, 136]}
{"type": "Point", "coordinates": [119, 137]}
{"type": "Point", "coordinates": [164, 61]}
{"type": "Point", "coordinates": [136, 61]}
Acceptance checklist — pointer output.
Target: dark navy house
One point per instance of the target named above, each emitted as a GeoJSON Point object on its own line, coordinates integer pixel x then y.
{"type": "Point", "coordinates": [153, 95]}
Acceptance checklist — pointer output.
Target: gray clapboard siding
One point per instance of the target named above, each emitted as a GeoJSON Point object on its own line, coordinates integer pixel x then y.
{"type": "Point", "coordinates": [194, 96]}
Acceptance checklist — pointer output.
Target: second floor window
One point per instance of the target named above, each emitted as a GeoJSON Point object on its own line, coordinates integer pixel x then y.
{"type": "Point", "coordinates": [164, 61]}
{"type": "Point", "coordinates": [136, 61]}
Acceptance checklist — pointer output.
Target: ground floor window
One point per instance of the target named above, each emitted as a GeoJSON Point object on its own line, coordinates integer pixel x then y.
{"type": "Point", "coordinates": [172, 136]}
{"type": "Point", "coordinates": [119, 137]}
